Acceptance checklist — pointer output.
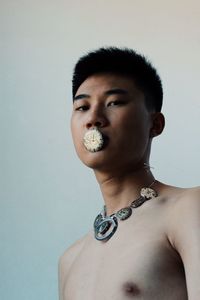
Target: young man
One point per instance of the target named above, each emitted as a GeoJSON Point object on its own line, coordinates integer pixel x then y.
{"type": "Point", "coordinates": [145, 243]}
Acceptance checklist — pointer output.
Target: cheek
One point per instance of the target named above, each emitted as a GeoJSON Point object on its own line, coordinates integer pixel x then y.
{"type": "Point", "coordinates": [77, 136]}
{"type": "Point", "coordinates": [128, 124]}
{"type": "Point", "coordinates": [134, 130]}
{"type": "Point", "coordinates": [75, 131]}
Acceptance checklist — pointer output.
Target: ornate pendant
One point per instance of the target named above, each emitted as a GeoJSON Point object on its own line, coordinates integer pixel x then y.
{"type": "Point", "coordinates": [106, 226]}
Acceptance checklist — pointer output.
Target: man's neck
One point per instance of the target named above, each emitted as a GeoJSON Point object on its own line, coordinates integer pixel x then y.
{"type": "Point", "coordinates": [120, 189]}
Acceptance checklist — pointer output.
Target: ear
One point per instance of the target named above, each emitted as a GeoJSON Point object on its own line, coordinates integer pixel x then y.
{"type": "Point", "coordinates": [158, 124]}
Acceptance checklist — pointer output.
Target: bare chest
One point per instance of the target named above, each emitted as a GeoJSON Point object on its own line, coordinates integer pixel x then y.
{"type": "Point", "coordinates": [136, 263]}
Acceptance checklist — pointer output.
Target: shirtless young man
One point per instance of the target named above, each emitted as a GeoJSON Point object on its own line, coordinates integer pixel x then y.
{"type": "Point", "coordinates": [154, 253]}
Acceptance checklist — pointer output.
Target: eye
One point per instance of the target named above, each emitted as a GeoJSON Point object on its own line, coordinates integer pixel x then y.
{"type": "Point", "coordinates": [82, 108]}
{"type": "Point", "coordinates": [116, 102]}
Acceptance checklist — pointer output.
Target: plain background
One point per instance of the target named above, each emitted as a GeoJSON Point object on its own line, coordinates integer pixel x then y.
{"type": "Point", "coordinates": [48, 198]}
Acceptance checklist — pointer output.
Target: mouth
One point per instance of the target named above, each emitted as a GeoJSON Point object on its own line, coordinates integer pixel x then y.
{"type": "Point", "coordinates": [106, 141]}
{"type": "Point", "coordinates": [94, 140]}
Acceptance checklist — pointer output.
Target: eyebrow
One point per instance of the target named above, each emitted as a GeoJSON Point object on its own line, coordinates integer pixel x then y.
{"type": "Point", "coordinates": [81, 96]}
{"type": "Point", "coordinates": [108, 93]}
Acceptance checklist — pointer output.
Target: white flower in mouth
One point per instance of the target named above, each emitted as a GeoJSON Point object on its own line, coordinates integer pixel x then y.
{"type": "Point", "coordinates": [93, 140]}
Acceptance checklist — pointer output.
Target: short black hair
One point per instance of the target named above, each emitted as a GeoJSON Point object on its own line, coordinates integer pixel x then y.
{"type": "Point", "coordinates": [122, 61]}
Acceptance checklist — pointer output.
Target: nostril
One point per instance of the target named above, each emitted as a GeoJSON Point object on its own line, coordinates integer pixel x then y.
{"type": "Point", "coordinates": [98, 124]}
{"type": "Point", "coordinates": [94, 124]}
{"type": "Point", "coordinates": [89, 125]}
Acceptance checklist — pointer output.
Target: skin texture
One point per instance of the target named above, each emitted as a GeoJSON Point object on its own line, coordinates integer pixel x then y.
{"type": "Point", "coordinates": [155, 253]}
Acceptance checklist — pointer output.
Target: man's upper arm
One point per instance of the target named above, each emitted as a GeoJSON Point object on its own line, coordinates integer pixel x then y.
{"type": "Point", "coordinates": [62, 272]}
{"type": "Point", "coordinates": [185, 237]}
{"type": "Point", "coordinates": [65, 263]}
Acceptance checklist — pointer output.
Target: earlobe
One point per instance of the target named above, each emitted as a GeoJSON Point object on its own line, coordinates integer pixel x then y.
{"type": "Point", "coordinates": [158, 124]}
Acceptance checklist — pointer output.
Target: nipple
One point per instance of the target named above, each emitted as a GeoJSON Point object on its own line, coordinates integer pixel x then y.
{"type": "Point", "coordinates": [93, 140]}
{"type": "Point", "coordinates": [131, 289]}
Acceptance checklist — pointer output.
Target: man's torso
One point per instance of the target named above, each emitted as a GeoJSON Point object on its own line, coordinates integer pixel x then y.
{"type": "Point", "coordinates": [138, 262]}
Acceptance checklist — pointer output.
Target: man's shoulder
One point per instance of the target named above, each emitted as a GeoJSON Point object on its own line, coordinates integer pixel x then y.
{"type": "Point", "coordinates": [193, 193]}
{"type": "Point", "coordinates": [180, 196]}
{"type": "Point", "coordinates": [72, 251]}
{"type": "Point", "coordinates": [180, 203]}
{"type": "Point", "coordinates": [186, 196]}
{"type": "Point", "coordinates": [188, 202]}
{"type": "Point", "coordinates": [67, 259]}
{"type": "Point", "coordinates": [70, 254]}
{"type": "Point", "coordinates": [184, 212]}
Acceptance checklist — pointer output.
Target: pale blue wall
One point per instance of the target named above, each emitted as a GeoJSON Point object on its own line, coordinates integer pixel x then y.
{"type": "Point", "coordinates": [48, 199]}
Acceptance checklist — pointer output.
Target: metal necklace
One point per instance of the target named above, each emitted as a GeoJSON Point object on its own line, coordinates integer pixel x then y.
{"type": "Point", "coordinates": [105, 226]}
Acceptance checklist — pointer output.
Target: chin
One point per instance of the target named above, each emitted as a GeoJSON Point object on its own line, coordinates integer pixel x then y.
{"type": "Point", "coordinates": [96, 160]}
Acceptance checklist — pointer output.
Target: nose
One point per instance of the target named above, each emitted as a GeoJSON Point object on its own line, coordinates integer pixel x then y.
{"type": "Point", "coordinates": [96, 118]}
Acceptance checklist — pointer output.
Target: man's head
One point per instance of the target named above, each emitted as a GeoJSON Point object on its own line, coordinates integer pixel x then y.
{"type": "Point", "coordinates": [125, 62]}
{"type": "Point", "coordinates": [120, 93]}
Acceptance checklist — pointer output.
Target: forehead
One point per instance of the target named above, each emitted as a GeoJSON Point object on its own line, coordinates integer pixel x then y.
{"type": "Point", "coordinates": [100, 83]}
